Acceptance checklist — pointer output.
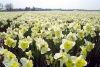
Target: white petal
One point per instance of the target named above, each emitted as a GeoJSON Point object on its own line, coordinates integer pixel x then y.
{"type": "Point", "coordinates": [73, 58]}
{"type": "Point", "coordinates": [57, 55]}
{"type": "Point", "coordinates": [23, 60]}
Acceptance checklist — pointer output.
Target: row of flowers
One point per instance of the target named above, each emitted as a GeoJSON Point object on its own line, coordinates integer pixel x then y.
{"type": "Point", "coordinates": [6, 17]}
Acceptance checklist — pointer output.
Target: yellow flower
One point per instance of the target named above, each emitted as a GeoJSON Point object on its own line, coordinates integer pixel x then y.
{"type": "Point", "coordinates": [20, 35]}
{"type": "Point", "coordinates": [57, 33]}
{"type": "Point", "coordinates": [29, 63]}
{"type": "Point", "coordinates": [10, 42]}
{"type": "Point", "coordinates": [80, 33]}
{"type": "Point", "coordinates": [87, 28]}
{"type": "Point", "coordinates": [62, 56]}
{"type": "Point", "coordinates": [80, 62]}
{"type": "Point", "coordinates": [11, 63]}
{"type": "Point", "coordinates": [55, 40]}
{"type": "Point", "coordinates": [93, 34]}
{"type": "Point", "coordinates": [49, 59]}
{"type": "Point", "coordinates": [66, 44]}
{"type": "Point", "coordinates": [29, 39]}
{"type": "Point", "coordinates": [42, 45]}
{"type": "Point", "coordinates": [90, 47]}
{"type": "Point", "coordinates": [11, 56]}
{"type": "Point", "coordinates": [84, 51]}
{"type": "Point", "coordinates": [78, 26]}
{"type": "Point", "coordinates": [71, 36]}
{"type": "Point", "coordinates": [5, 52]}
{"type": "Point", "coordinates": [29, 54]}
{"type": "Point", "coordinates": [44, 50]}
{"type": "Point", "coordinates": [24, 30]}
{"type": "Point", "coordinates": [69, 63]}
{"type": "Point", "coordinates": [14, 64]}
{"type": "Point", "coordinates": [23, 45]}
{"type": "Point", "coordinates": [26, 63]}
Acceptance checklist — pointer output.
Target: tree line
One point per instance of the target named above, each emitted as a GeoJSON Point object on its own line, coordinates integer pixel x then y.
{"type": "Point", "coordinates": [10, 7]}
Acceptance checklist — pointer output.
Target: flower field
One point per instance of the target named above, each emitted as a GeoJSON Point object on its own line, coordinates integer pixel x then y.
{"type": "Point", "coordinates": [50, 39]}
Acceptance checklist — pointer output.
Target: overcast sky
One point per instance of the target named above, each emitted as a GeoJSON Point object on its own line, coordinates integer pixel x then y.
{"type": "Point", "coordinates": [65, 4]}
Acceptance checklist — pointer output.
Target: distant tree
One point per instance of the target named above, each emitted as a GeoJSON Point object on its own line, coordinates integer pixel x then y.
{"type": "Point", "coordinates": [27, 9]}
{"type": "Point", "coordinates": [33, 8]}
{"type": "Point", "coordinates": [1, 6]}
{"type": "Point", "coordinates": [9, 7]}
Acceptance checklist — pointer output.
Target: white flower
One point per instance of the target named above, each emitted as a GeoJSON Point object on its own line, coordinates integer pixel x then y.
{"type": "Point", "coordinates": [87, 28]}
{"type": "Point", "coordinates": [26, 63]}
{"type": "Point", "coordinates": [71, 36]}
{"type": "Point", "coordinates": [10, 42]}
{"type": "Point", "coordinates": [67, 44]}
{"type": "Point", "coordinates": [42, 45]}
{"type": "Point", "coordinates": [29, 54]}
{"type": "Point", "coordinates": [62, 56]}
{"type": "Point", "coordinates": [79, 61]}
{"type": "Point", "coordinates": [23, 44]}
{"type": "Point", "coordinates": [80, 33]}
{"type": "Point", "coordinates": [89, 45]}
{"type": "Point", "coordinates": [93, 34]}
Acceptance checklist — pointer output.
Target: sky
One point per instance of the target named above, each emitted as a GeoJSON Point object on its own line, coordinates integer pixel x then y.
{"type": "Point", "coordinates": [64, 4]}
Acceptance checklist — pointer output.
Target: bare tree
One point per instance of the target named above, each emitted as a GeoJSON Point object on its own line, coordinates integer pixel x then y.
{"type": "Point", "coordinates": [9, 7]}
{"type": "Point", "coordinates": [1, 6]}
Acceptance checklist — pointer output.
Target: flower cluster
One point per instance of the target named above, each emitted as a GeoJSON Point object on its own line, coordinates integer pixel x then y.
{"type": "Point", "coordinates": [39, 39]}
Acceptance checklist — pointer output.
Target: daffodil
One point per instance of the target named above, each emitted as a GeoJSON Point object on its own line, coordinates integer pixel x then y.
{"type": "Point", "coordinates": [20, 35]}
{"type": "Point", "coordinates": [10, 42]}
{"type": "Point", "coordinates": [23, 45]}
{"type": "Point", "coordinates": [69, 62]}
{"type": "Point", "coordinates": [71, 36]}
{"type": "Point", "coordinates": [55, 40]}
{"type": "Point", "coordinates": [87, 28]}
{"type": "Point", "coordinates": [89, 45]}
{"type": "Point", "coordinates": [57, 33]}
{"type": "Point", "coordinates": [62, 57]}
{"type": "Point", "coordinates": [5, 52]}
{"type": "Point", "coordinates": [80, 33]}
{"type": "Point", "coordinates": [78, 26]}
{"type": "Point", "coordinates": [29, 54]}
{"type": "Point", "coordinates": [49, 35]}
{"type": "Point", "coordinates": [84, 51]}
{"type": "Point", "coordinates": [10, 59]}
{"type": "Point", "coordinates": [42, 45]}
{"type": "Point", "coordinates": [79, 61]}
{"type": "Point", "coordinates": [29, 39]}
{"type": "Point", "coordinates": [44, 50]}
{"type": "Point", "coordinates": [93, 34]}
{"type": "Point", "coordinates": [49, 59]}
{"type": "Point", "coordinates": [24, 29]}
{"type": "Point", "coordinates": [26, 62]}
{"type": "Point", "coordinates": [14, 64]}
{"type": "Point", "coordinates": [57, 55]}
{"type": "Point", "coordinates": [11, 56]}
{"type": "Point", "coordinates": [67, 44]}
